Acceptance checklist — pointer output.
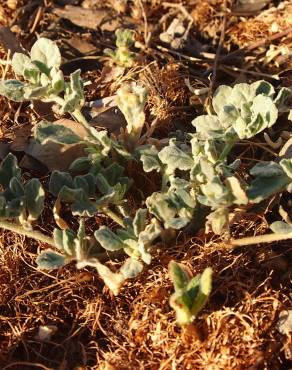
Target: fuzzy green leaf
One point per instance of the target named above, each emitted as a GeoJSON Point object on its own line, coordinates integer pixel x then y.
{"type": "Point", "coordinates": [208, 127]}
{"type": "Point", "coordinates": [13, 90]}
{"type": "Point", "coordinates": [218, 220]}
{"type": "Point", "coordinates": [139, 222]}
{"type": "Point", "coordinates": [64, 240]}
{"type": "Point", "coordinates": [81, 164]}
{"type": "Point", "coordinates": [131, 268]}
{"type": "Point", "coordinates": [175, 158]}
{"type": "Point", "coordinates": [205, 287]}
{"type": "Point", "coordinates": [47, 131]}
{"type": "Point", "coordinates": [8, 170]}
{"type": "Point", "coordinates": [149, 158]}
{"type": "Point", "coordinates": [59, 179]}
{"type": "Point", "coordinates": [108, 240]}
{"type": "Point", "coordinates": [286, 164]}
{"type": "Point", "coordinates": [280, 227]}
{"type": "Point", "coordinates": [179, 275]}
{"type": "Point", "coordinates": [50, 260]}
{"type": "Point", "coordinates": [112, 280]}
{"type": "Point", "coordinates": [16, 187]}
{"type": "Point", "coordinates": [34, 92]}
{"type": "Point", "coordinates": [263, 187]}
{"type": "Point", "coordinates": [21, 63]}
{"type": "Point", "coordinates": [112, 173]}
{"type": "Point", "coordinates": [266, 169]}
{"type": "Point", "coordinates": [46, 51]}
{"type": "Point", "coordinates": [35, 197]}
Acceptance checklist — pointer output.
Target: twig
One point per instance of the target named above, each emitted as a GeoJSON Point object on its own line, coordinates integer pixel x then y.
{"type": "Point", "coordinates": [37, 19]}
{"type": "Point", "coordinates": [25, 363]}
{"type": "Point", "coordinates": [218, 52]}
{"type": "Point", "coordinates": [184, 56]}
{"type": "Point", "coordinates": [147, 34]}
{"type": "Point", "coordinates": [29, 233]}
{"type": "Point", "coordinates": [256, 45]}
{"type": "Point", "coordinates": [225, 68]}
{"type": "Point", "coordinates": [267, 238]}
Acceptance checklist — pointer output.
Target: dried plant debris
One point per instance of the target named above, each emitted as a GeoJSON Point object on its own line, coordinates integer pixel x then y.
{"type": "Point", "coordinates": [267, 23]}
{"type": "Point", "coordinates": [143, 227]}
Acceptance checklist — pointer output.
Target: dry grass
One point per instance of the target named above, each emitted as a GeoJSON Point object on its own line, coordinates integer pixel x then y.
{"type": "Point", "coordinates": [137, 330]}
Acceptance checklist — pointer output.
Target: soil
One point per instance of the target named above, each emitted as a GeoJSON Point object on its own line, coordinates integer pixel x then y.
{"type": "Point", "coordinates": [225, 42]}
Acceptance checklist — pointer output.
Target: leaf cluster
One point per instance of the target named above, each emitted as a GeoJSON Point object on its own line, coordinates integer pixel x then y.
{"type": "Point", "coordinates": [191, 293]}
{"type": "Point", "coordinates": [122, 56]}
{"type": "Point", "coordinates": [43, 78]}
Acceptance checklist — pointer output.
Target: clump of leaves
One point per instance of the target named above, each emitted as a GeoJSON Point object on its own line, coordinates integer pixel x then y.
{"type": "Point", "coordinates": [84, 251]}
{"type": "Point", "coordinates": [122, 56]}
{"type": "Point", "coordinates": [24, 201]}
{"type": "Point", "coordinates": [195, 172]}
{"type": "Point", "coordinates": [131, 99]}
{"type": "Point", "coordinates": [135, 240]}
{"type": "Point", "coordinates": [43, 78]}
{"type": "Point", "coordinates": [241, 112]}
{"type": "Point", "coordinates": [191, 293]}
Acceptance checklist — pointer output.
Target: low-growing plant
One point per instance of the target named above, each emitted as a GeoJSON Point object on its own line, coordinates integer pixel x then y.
{"type": "Point", "coordinates": [122, 55]}
{"type": "Point", "coordinates": [198, 183]}
{"type": "Point", "coordinates": [191, 293]}
{"type": "Point", "coordinates": [24, 201]}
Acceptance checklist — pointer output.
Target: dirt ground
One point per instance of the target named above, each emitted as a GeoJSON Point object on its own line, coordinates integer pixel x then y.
{"type": "Point", "coordinates": [220, 42]}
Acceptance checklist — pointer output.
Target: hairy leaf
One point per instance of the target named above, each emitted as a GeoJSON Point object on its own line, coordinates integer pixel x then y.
{"type": "Point", "coordinates": [50, 260]}
{"type": "Point", "coordinates": [108, 240]}
{"type": "Point", "coordinates": [35, 197]}
{"type": "Point", "coordinates": [47, 131]}
{"type": "Point", "coordinates": [131, 268]}
{"type": "Point", "coordinates": [280, 227]}
{"type": "Point", "coordinates": [8, 170]}
{"type": "Point", "coordinates": [179, 275]}
{"type": "Point", "coordinates": [46, 51]}
{"type": "Point", "coordinates": [13, 90]}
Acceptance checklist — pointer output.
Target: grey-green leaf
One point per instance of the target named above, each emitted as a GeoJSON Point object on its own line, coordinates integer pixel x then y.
{"type": "Point", "coordinates": [286, 164]}
{"type": "Point", "coordinates": [205, 288]}
{"type": "Point", "coordinates": [266, 169]}
{"type": "Point", "coordinates": [13, 90]}
{"type": "Point", "coordinates": [35, 197]}
{"type": "Point", "coordinates": [175, 158]}
{"type": "Point", "coordinates": [64, 240]}
{"type": "Point", "coordinates": [47, 52]}
{"type": "Point", "coordinates": [263, 187]}
{"type": "Point", "coordinates": [21, 62]}
{"type": "Point", "coordinates": [179, 275]}
{"type": "Point", "coordinates": [59, 179]}
{"type": "Point", "coordinates": [47, 131]}
{"type": "Point", "coordinates": [149, 158]}
{"type": "Point", "coordinates": [280, 227]}
{"type": "Point", "coordinates": [139, 222]}
{"type": "Point", "coordinates": [8, 170]}
{"type": "Point", "coordinates": [50, 260]}
{"type": "Point", "coordinates": [131, 268]}
{"type": "Point", "coordinates": [108, 240]}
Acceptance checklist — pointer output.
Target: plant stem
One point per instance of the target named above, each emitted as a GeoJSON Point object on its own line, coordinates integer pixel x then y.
{"type": "Point", "coordinates": [267, 238]}
{"type": "Point", "coordinates": [29, 233]}
{"type": "Point", "coordinates": [108, 212]}
{"type": "Point", "coordinates": [165, 179]}
{"type": "Point", "coordinates": [77, 114]}
{"type": "Point", "coordinates": [228, 146]}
